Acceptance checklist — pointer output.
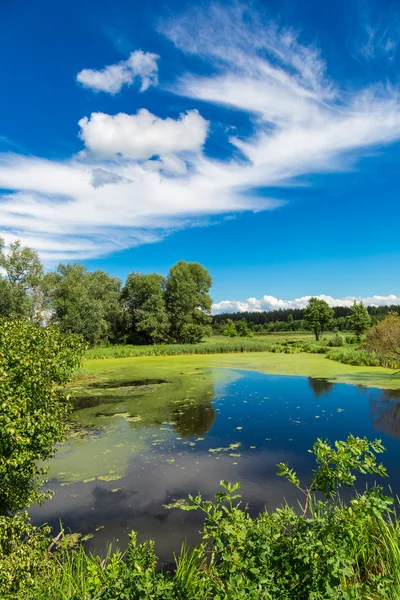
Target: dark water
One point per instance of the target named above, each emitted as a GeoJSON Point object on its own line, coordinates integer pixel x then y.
{"type": "Point", "coordinates": [239, 432]}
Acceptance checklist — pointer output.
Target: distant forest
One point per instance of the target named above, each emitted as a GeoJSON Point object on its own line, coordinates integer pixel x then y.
{"type": "Point", "coordinates": [297, 314]}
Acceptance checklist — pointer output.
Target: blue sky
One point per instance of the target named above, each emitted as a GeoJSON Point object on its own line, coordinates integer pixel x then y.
{"type": "Point", "coordinates": [262, 141]}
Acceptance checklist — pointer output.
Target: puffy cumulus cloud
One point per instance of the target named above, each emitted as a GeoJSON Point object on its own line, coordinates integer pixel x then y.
{"type": "Point", "coordinates": [140, 65]}
{"type": "Point", "coordinates": [142, 135]}
{"type": "Point", "coordinates": [140, 177]}
{"type": "Point", "coordinates": [268, 303]}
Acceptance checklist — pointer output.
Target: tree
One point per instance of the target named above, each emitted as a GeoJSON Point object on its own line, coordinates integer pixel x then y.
{"type": "Point", "coordinates": [34, 365]}
{"type": "Point", "coordinates": [359, 320]}
{"type": "Point", "coordinates": [20, 288]}
{"type": "Point", "coordinates": [186, 297]}
{"type": "Point", "coordinates": [384, 338]}
{"type": "Point", "coordinates": [318, 315]}
{"type": "Point", "coordinates": [85, 302]}
{"type": "Point", "coordinates": [143, 299]}
{"type": "Point", "coordinates": [243, 329]}
{"type": "Point", "coordinates": [230, 329]}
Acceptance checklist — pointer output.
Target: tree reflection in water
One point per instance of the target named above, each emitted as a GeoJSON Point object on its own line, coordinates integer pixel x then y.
{"type": "Point", "coordinates": [320, 386]}
{"type": "Point", "coordinates": [385, 413]}
{"type": "Point", "coordinates": [194, 419]}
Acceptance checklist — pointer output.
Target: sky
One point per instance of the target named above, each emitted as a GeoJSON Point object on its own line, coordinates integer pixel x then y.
{"type": "Point", "coordinates": [260, 139]}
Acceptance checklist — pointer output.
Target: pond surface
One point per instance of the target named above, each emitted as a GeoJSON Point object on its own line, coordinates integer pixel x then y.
{"type": "Point", "coordinates": [136, 446]}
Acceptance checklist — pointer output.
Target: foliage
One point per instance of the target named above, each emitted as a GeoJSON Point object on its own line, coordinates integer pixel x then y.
{"type": "Point", "coordinates": [336, 341]}
{"type": "Point", "coordinates": [384, 338]}
{"type": "Point", "coordinates": [86, 303]}
{"type": "Point", "coordinates": [359, 320]}
{"type": "Point", "coordinates": [143, 299]}
{"type": "Point", "coordinates": [318, 315]}
{"type": "Point", "coordinates": [230, 329]}
{"type": "Point", "coordinates": [360, 358]}
{"type": "Point", "coordinates": [24, 560]}
{"type": "Point", "coordinates": [20, 289]}
{"type": "Point", "coordinates": [33, 363]}
{"type": "Point", "coordinates": [186, 297]}
{"type": "Point", "coordinates": [192, 333]}
{"type": "Point", "coordinates": [243, 329]}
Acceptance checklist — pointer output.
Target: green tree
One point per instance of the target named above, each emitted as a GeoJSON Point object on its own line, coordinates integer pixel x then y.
{"type": "Point", "coordinates": [20, 288]}
{"type": "Point", "coordinates": [359, 320]}
{"type": "Point", "coordinates": [242, 328]}
{"type": "Point", "coordinates": [230, 329]}
{"type": "Point", "coordinates": [143, 299]}
{"type": "Point", "coordinates": [318, 315]}
{"type": "Point", "coordinates": [34, 365]}
{"type": "Point", "coordinates": [186, 298]}
{"type": "Point", "coordinates": [85, 302]}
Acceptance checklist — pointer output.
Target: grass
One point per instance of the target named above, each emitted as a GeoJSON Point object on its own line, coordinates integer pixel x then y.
{"type": "Point", "coordinates": [218, 344]}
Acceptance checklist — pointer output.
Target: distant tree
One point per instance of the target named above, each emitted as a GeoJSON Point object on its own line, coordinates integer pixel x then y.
{"type": "Point", "coordinates": [186, 298]}
{"type": "Point", "coordinates": [318, 316]}
{"type": "Point", "coordinates": [243, 329]}
{"type": "Point", "coordinates": [359, 320]}
{"type": "Point", "coordinates": [144, 301]}
{"type": "Point", "coordinates": [384, 338]}
{"type": "Point", "coordinates": [230, 329]}
{"type": "Point", "coordinates": [85, 302]}
{"type": "Point", "coordinates": [20, 287]}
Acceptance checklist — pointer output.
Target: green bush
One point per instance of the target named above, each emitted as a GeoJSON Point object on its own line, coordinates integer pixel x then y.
{"type": "Point", "coordinates": [336, 341]}
{"type": "Point", "coordinates": [352, 339]}
{"type": "Point", "coordinates": [192, 334]}
{"type": "Point", "coordinates": [361, 358]}
{"type": "Point", "coordinates": [24, 559]}
{"type": "Point", "coordinates": [34, 363]}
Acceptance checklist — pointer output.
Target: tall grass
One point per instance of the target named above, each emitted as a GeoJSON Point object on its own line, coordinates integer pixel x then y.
{"type": "Point", "coordinates": [361, 358]}
{"type": "Point", "coordinates": [218, 346]}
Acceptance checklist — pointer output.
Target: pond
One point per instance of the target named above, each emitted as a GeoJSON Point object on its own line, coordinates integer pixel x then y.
{"type": "Point", "coordinates": [137, 445]}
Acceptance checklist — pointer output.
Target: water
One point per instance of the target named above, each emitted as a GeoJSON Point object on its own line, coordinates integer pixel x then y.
{"type": "Point", "coordinates": [138, 446]}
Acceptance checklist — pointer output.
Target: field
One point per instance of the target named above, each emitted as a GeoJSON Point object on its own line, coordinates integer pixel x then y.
{"type": "Point", "coordinates": [211, 345]}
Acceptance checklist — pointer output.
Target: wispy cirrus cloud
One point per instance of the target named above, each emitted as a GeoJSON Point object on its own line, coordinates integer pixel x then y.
{"type": "Point", "coordinates": [140, 176]}
{"type": "Point", "coordinates": [140, 65]}
{"type": "Point", "coordinates": [268, 303]}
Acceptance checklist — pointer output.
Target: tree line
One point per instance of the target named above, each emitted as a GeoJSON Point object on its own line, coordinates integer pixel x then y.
{"type": "Point", "coordinates": [288, 315]}
{"type": "Point", "coordinates": [318, 317]}
{"type": "Point", "coordinates": [148, 309]}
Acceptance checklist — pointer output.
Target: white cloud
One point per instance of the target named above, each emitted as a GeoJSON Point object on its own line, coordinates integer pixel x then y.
{"type": "Point", "coordinates": [380, 39]}
{"type": "Point", "coordinates": [140, 65]}
{"type": "Point", "coordinates": [140, 176]}
{"type": "Point", "coordinates": [143, 135]}
{"type": "Point", "coordinates": [268, 303]}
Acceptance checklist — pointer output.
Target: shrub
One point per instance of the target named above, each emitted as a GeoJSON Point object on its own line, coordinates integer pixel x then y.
{"type": "Point", "coordinates": [351, 339]}
{"type": "Point", "coordinates": [361, 358]}
{"type": "Point", "coordinates": [192, 334]}
{"type": "Point", "coordinates": [24, 559]}
{"type": "Point", "coordinates": [384, 339]}
{"type": "Point", "coordinates": [336, 341]}
{"type": "Point", "coordinates": [34, 363]}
